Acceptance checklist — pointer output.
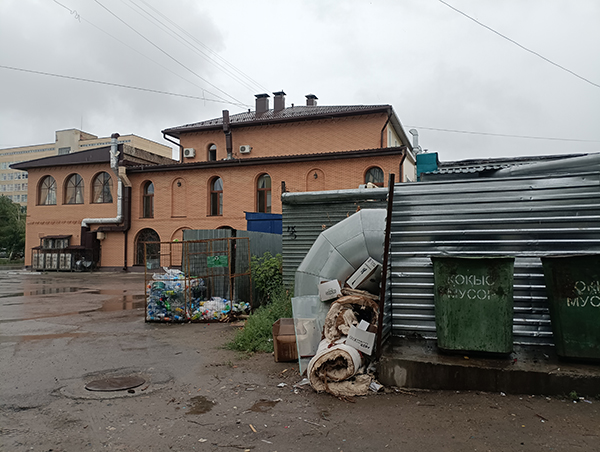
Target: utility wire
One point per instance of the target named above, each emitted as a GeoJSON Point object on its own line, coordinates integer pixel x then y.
{"type": "Point", "coordinates": [80, 79]}
{"type": "Point", "coordinates": [79, 18]}
{"type": "Point", "coordinates": [503, 135]}
{"type": "Point", "coordinates": [208, 54]}
{"type": "Point", "coordinates": [168, 55]}
{"type": "Point", "coordinates": [521, 46]}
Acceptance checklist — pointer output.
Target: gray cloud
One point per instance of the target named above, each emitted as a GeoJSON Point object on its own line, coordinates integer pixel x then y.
{"type": "Point", "coordinates": [437, 68]}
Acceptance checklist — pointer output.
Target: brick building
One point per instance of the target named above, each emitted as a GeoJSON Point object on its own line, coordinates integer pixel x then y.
{"type": "Point", "coordinates": [228, 166]}
{"type": "Point", "coordinates": [14, 184]}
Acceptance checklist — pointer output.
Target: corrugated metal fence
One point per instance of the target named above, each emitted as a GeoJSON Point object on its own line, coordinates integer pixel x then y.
{"type": "Point", "coordinates": [306, 215]}
{"type": "Point", "coordinates": [260, 242]}
{"type": "Point", "coordinates": [525, 217]}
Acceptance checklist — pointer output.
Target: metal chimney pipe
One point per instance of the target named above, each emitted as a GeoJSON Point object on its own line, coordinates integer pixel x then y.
{"type": "Point", "coordinates": [415, 134]}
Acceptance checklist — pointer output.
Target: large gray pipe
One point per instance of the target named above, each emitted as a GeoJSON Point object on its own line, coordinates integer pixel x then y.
{"type": "Point", "coordinates": [114, 165]}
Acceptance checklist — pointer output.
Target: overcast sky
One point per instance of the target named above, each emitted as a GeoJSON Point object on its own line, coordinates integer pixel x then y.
{"type": "Point", "coordinates": [436, 67]}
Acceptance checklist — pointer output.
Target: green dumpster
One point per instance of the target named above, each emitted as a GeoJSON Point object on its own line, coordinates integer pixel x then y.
{"type": "Point", "coordinates": [573, 289]}
{"type": "Point", "coordinates": [474, 303]}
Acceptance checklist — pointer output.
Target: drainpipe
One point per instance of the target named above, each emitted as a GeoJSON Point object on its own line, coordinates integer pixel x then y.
{"type": "Point", "coordinates": [227, 131]}
{"type": "Point", "coordinates": [383, 128]}
{"type": "Point", "coordinates": [114, 165]}
{"type": "Point", "coordinates": [401, 167]}
{"type": "Point", "coordinates": [176, 144]}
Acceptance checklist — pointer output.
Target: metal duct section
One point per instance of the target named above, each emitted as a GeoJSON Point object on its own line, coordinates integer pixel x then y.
{"type": "Point", "coordinates": [114, 165]}
{"type": "Point", "coordinates": [307, 214]}
{"type": "Point", "coordinates": [340, 250]}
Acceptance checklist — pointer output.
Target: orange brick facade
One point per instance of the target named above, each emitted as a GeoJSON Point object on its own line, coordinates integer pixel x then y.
{"type": "Point", "coordinates": [181, 196]}
{"type": "Point", "coordinates": [308, 137]}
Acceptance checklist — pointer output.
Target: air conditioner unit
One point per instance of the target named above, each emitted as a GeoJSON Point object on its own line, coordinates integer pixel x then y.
{"type": "Point", "coordinates": [189, 152]}
{"type": "Point", "coordinates": [245, 149]}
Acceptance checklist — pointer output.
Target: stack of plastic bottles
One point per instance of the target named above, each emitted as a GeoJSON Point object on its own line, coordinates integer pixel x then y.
{"type": "Point", "coordinates": [166, 300]}
{"type": "Point", "coordinates": [217, 309]}
{"type": "Point", "coordinates": [166, 297]}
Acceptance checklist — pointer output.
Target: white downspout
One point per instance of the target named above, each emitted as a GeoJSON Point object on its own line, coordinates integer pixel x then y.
{"type": "Point", "coordinates": [114, 165]}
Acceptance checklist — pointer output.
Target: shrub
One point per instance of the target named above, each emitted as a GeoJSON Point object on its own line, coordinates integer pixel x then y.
{"type": "Point", "coordinates": [267, 276]}
{"type": "Point", "coordinates": [257, 336]}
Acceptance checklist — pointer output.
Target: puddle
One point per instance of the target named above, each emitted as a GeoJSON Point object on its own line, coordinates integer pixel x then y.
{"type": "Point", "coordinates": [52, 290]}
{"type": "Point", "coordinates": [125, 303]}
{"type": "Point", "coordinates": [200, 405]}
{"type": "Point", "coordinates": [10, 295]}
{"type": "Point", "coordinates": [263, 405]}
{"type": "Point", "coordinates": [40, 337]}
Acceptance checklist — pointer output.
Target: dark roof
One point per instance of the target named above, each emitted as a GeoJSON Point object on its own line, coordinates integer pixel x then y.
{"type": "Point", "coordinates": [480, 165]}
{"type": "Point", "coordinates": [378, 152]}
{"type": "Point", "coordinates": [95, 155]}
{"type": "Point", "coordinates": [289, 114]}
{"type": "Point", "coordinates": [129, 156]}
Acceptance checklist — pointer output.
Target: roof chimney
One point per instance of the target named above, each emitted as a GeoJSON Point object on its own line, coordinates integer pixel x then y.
{"type": "Point", "coordinates": [279, 102]}
{"type": "Point", "coordinates": [311, 100]}
{"type": "Point", "coordinates": [262, 103]}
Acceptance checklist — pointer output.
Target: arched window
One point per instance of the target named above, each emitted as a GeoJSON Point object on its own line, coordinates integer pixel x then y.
{"type": "Point", "coordinates": [47, 191]}
{"type": "Point", "coordinates": [148, 200]}
{"type": "Point", "coordinates": [147, 251]}
{"type": "Point", "coordinates": [216, 196]}
{"type": "Point", "coordinates": [375, 176]}
{"type": "Point", "coordinates": [263, 191]}
{"type": "Point", "coordinates": [74, 189]}
{"type": "Point", "coordinates": [102, 188]}
{"type": "Point", "coordinates": [212, 153]}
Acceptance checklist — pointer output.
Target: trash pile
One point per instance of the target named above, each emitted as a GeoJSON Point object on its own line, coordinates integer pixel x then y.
{"type": "Point", "coordinates": [217, 309]}
{"type": "Point", "coordinates": [341, 365]}
{"type": "Point", "coordinates": [169, 293]}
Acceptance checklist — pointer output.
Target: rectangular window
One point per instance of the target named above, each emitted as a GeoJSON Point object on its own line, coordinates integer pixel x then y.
{"type": "Point", "coordinates": [62, 151]}
{"type": "Point", "coordinates": [23, 198]}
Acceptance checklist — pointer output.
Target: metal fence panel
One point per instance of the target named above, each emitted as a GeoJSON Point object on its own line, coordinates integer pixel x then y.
{"type": "Point", "coordinates": [525, 217]}
{"type": "Point", "coordinates": [206, 234]}
{"type": "Point", "coordinates": [261, 242]}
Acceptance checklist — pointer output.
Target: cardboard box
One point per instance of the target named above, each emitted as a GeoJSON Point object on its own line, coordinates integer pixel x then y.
{"type": "Point", "coordinates": [361, 340]}
{"type": "Point", "coordinates": [330, 290]}
{"type": "Point", "coordinates": [362, 275]}
{"type": "Point", "coordinates": [284, 340]}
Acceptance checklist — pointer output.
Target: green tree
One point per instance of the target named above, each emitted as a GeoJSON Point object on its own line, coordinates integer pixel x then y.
{"type": "Point", "coordinates": [12, 227]}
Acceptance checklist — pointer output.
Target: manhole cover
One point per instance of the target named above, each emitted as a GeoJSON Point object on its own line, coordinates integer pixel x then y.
{"type": "Point", "coordinates": [115, 384]}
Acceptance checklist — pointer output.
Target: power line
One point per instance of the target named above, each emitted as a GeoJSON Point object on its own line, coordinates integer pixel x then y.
{"type": "Point", "coordinates": [503, 135]}
{"type": "Point", "coordinates": [207, 53]}
{"type": "Point", "coordinates": [168, 55]}
{"type": "Point", "coordinates": [79, 18]}
{"type": "Point", "coordinates": [521, 46]}
{"type": "Point", "coordinates": [80, 79]}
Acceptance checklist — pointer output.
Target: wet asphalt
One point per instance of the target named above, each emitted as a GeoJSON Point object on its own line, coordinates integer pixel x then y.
{"type": "Point", "coordinates": [60, 330]}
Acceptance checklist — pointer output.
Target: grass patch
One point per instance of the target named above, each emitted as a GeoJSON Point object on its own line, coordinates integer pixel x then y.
{"type": "Point", "coordinates": [11, 263]}
{"type": "Point", "coordinates": [257, 334]}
